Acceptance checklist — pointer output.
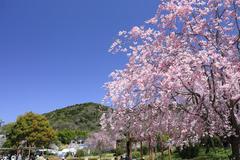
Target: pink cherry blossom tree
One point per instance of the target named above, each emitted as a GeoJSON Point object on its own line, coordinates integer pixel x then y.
{"type": "Point", "coordinates": [184, 62]}
{"type": "Point", "coordinates": [102, 141]}
{"type": "Point", "coordinates": [122, 123]}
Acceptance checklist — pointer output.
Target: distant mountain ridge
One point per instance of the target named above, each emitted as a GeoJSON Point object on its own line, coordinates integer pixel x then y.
{"type": "Point", "coordinates": [84, 117]}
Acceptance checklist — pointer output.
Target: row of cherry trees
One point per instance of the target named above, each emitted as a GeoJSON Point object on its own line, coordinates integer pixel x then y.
{"type": "Point", "coordinates": [183, 75]}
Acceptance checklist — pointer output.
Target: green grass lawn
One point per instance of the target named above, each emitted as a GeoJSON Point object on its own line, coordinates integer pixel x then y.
{"type": "Point", "coordinates": [214, 154]}
{"type": "Point", "coordinates": [217, 154]}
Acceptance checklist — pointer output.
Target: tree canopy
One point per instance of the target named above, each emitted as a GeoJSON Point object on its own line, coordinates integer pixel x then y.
{"type": "Point", "coordinates": [66, 136]}
{"type": "Point", "coordinates": [31, 130]}
{"type": "Point", "coordinates": [183, 74]}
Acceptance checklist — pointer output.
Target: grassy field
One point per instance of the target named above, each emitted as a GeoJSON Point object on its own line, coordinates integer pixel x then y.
{"type": "Point", "coordinates": [216, 154]}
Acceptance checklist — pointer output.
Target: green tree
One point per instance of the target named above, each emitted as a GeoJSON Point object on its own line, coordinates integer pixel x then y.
{"type": "Point", "coordinates": [31, 130]}
{"type": "Point", "coordinates": [6, 130]}
{"type": "Point", "coordinates": [65, 136]}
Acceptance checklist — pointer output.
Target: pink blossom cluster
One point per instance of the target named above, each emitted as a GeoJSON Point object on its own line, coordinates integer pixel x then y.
{"type": "Point", "coordinates": [101, 140]}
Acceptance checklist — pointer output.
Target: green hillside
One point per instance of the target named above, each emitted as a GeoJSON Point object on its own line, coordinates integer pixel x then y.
{"type": "Point", "coordinates": [80, 116]}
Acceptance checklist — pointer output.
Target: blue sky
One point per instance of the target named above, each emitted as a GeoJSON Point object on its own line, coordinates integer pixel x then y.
{"type": "Point", "coordinates": [54, 53]}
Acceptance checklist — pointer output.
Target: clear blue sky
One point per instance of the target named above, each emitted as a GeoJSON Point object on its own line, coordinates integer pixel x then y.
{"type": "Point", "coordinates": [54, 53]}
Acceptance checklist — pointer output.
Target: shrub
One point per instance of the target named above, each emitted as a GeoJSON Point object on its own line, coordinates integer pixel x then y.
{"type": "Point", "coordinates": [188, 151]}
{"type": "Point", "coordinates": [136, 154]}
{"type": "Point", "coordinates": [96, 152]}
{"type": "Point", "coordinates": [80, 153]}
{"type": "Point", "coordinates": [211, 143]}
{"type": "Point", "coordinates": [119, 151]}
{"type": "Point", "coordinates": [48, 153]}
{"type": "Point", "coordinates": [144, 150]}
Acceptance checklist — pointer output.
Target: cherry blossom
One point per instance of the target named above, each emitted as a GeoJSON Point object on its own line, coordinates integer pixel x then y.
{"type": "Point", "coordinates": [183, 74]}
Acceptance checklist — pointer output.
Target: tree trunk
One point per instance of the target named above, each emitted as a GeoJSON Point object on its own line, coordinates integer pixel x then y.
{"type": "Point", "coordinates": [235, 148]}
{"type": "Point", "coordinates": [234, 140]}
{"type": "Point", "coordinates": [169, 153]}
{"type": "Point", "coordinates": [154, 152]}
{"type": "Point", "coordinates": [129, 149]}
{"type": "Point", "coordinates": [17, 153]}
{"type": "Point", "coordinates": [135, 146]}
{"type": "Point", "coordinates": [29, 152]}
{"type": "Point", "coordinates": [161, 146]}
{"type": "Point", "coordinates": [43, 151]}
{"type": "Point", "coordinates": [150, 150]}
{"type": "Point", "coordinates": [141, 150]}
{"type": "Point", "coordinates": [161, 149]}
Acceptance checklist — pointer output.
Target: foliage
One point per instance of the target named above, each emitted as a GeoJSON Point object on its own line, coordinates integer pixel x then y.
{"type": "Point", "coordinates": [7, 144]}
{"type": "Point", "coordinates": [31, 130]}
{"type": "Point", "coordinates": [120, 147]}
{"type": "Point", "coordinates": [136, 154]}
{"type": "Point", "coordinates": [83, 117]}
{"type": "Point", "coordinates": [218, 154]}
{"type": "Point", "coordinates": [80, 153]}
{"type": "Point", "coordinates": [187, 152]}
{"type": "Point", "coordinates": [7, 128]}
{"type": "Point", "coordinates": [96, 152]}
{"type": "Point", "coordinates": [144, 149]}
{"type": "Point", "coordinates": [66, 135]}
{"type": "Point", "coordinates": [212, 143]}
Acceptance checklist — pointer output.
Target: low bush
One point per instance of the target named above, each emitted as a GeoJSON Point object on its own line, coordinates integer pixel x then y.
{"type": "Point", "coordinates": [96, 152]}
{"type": "Point", "coordinates": [188, 151]}
{"type": "Point", "coordinates": [144, 150]}
{"type": "Point", "coordinates": [119, 151]}
{"type": "Point", "coordinates": [80, 153]}
{"type": "Point", "coordinates": [136, 154]}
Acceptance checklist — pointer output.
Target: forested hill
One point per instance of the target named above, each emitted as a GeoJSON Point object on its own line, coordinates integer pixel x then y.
{"type": "Point", "coordinates": [84, 116]}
